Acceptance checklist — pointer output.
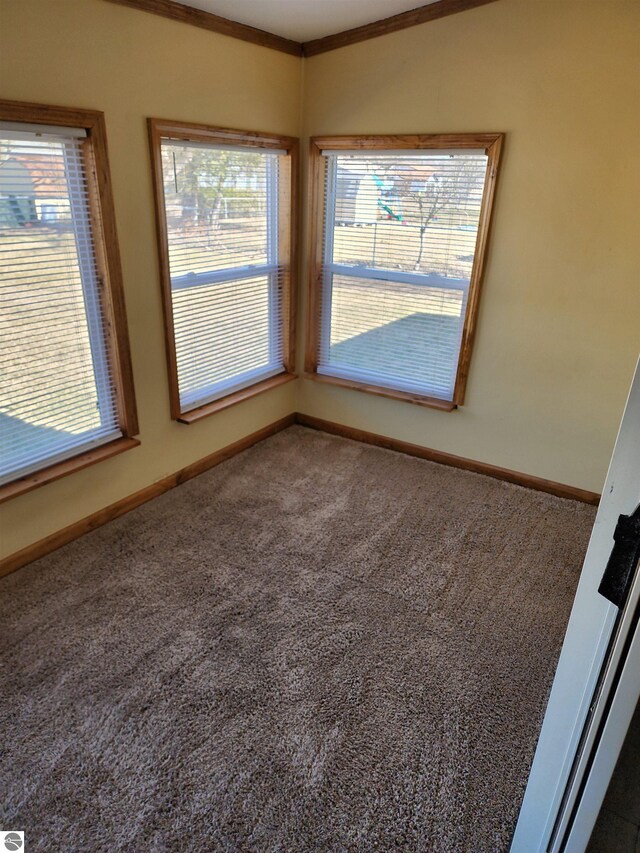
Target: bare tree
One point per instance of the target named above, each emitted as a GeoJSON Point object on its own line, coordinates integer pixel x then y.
{"type": "Point", "coordinates": [205, 178]}
{"type": "Point", "coordinates": [443, 191]}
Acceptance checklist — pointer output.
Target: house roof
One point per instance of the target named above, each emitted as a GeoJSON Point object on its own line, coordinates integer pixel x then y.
{"type": "Point", "coordinates": [47, 175]}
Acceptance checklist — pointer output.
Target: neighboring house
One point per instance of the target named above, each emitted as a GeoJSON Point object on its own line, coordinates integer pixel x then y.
{"type": "Point", "coordinates": [32, 189]}
{"type": "Point", "coordinates": [363, 198]}
{"type": "Point", "coordinates": [357, 197]}
{"type": "Point", "coordinates": [17, 194]}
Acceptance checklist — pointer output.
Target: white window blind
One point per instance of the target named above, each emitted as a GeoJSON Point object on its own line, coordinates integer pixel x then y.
{"type": "Point", "coordinates": [221, 206]}
{"type": "Point", "coordinates": [400, 232]}
{"type": "Point", "coordinates": [57, 394]}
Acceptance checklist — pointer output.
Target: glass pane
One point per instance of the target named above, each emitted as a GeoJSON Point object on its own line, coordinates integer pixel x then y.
{"type": "Point", "coordinates": [407, 225]}
{"type": "Point", "coordinates": [222, 332]}
{"type": "Point", "coordinates": [216, 207]}
{"type": "Point", "coordinates": [55, 392]}
{"type": "Point", "coordinates": [398, 335]}
{"type": "Point", "coordinates": [417, 213]}
{"type": "Point", "coordinates": [222, 218]}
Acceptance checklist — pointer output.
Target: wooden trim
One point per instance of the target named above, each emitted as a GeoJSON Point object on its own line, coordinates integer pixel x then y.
{"type": "Point", "coordinates": [115, 510]}
{"type": "Point", "coordinates": [30, 113]}
{"type": "Point", "coordinates": [194, 415]}
{"type": "Point", "coordinates": [195, 132]}
{"type": "Point", "coordinates": [214, 23]}
{"type": "Point", "coordinates": [160, 129]}
{"type": "Point", "coordinates": [316, 186]}
{"type": "Point", "coordinates": [225, 26]}
{"type": "Point", "coordinates": [110, 269]}
{"type": "Point", "coordinates": [407, 141]}
{"type": "Point", "coordinates": [105, 243]}
{"type": "Point", "coordinates": [288, 248]}
{"type": "Point", "coordinates": [493, 150]}
{"type": "Point", "coordinates": [97, 519]}
{"type": "Point", "coordinates": [380, 391]}
{"type": "Point", "coordinates": [163, 261]}
{"type": "Point", "coordinates": [104, 231]}
{"type": "Point", "coordinates": [68, 466]}
{"type": "Point", "coordinates": [404, 20]}
{"type": "Point", "coordinates": [491, 143]}
{"type": "Point", "coordinates": [527, 480]}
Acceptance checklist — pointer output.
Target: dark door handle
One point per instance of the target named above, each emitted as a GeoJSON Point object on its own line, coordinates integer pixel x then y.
{"type": "Point", "coordinates": [618, 576]}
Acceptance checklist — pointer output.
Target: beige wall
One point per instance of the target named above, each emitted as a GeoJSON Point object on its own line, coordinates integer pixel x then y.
{"type": "Point", "coordinates": [558, 326]}
{"type": "Point", "coordinates": [558, 330]}
{"type": "Point", "coordinates": [88, 53]}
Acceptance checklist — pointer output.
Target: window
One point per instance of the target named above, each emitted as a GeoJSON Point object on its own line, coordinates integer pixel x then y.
{"type": "Point", "coordinates": [397, 261]}
{"type": "Point", "coordinates": [66, 393]}
{"type": "Point", "coordinates": [224, 213]}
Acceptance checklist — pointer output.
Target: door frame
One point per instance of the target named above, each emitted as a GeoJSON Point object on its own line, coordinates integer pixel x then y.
{"type": "Point", "coordinates": [586, 646]}
{"type": "Point", "coordinates": [608, 738]}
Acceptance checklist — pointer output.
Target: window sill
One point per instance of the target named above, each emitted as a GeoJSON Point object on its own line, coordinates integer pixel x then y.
{"type": "Point", "coordinates": [61, 469]}
{"type": "Point", "coordinates": [231, 399]}
{"type": "Point", "coordinates": [379, 391]}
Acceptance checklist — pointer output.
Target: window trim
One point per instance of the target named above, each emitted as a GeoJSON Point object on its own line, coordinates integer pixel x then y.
{"type": "Point", "coordinates": [160, 129]}
{"type": "Point", "coordinates": [491, 143]}
{"type": "Point", "coordinates": [111, 292]}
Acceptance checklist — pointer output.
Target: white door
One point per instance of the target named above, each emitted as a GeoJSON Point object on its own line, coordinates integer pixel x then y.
{"type": "Point", "coordinates": [597, 682]}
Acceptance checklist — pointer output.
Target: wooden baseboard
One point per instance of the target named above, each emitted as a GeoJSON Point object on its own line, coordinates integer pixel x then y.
{"type": "Point", "coordinates": [102, 516]}
{"type": "Point", "coordinates": [527, 480]}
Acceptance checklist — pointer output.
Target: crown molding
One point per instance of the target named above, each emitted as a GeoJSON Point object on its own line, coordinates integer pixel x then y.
{"type": "Point", "coordinates": [403, 21]}
{"type": "Point", "coordinates": [214, 23]}
{"type": "Point", "coordinates": [217, 24]}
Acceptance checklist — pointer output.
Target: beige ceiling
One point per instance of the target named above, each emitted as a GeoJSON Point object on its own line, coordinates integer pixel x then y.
{"type": "Point", "coordinates": [303, 20]}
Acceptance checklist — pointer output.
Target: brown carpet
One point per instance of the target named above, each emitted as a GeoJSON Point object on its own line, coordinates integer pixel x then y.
{"type": "Point", "coordinates": [316, 646]}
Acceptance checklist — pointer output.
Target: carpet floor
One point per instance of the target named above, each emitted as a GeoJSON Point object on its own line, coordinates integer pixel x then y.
{"type": "Point", "coordinates": [316, 646]}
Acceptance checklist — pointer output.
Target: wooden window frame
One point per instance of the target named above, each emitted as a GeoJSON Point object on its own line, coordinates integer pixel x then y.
{"type": "Point", "coordinates": [111, 293]}
{"type": "Point", "coordinates": [491, 143]}
{"type": "Point", "coordinates": [160, 129]}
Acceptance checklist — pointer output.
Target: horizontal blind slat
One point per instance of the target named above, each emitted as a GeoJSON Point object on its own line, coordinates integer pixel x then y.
{"type": "Point", "coordinates": [399, 242]}
{"type": "Point", "coordinates": [57, 394]}
{"type": "Point", "coordinates": [221, 212]}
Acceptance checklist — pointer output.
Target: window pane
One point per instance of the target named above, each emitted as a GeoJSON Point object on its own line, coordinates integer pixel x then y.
{"type": "Point", "coordinates": [222, 225]}
{"type": "Point", "coordinates": [400, 235]}
{"type": "Point", "coordinates": [396, 335]}
{"type": "Point", "coordinates": [217, 207]}
{"type": "Point", "coordinates": [56, 396]}
{"type": "Point", "coordinates": [206, 319]}
{"type": "Point", "coordinates": [416, 213]}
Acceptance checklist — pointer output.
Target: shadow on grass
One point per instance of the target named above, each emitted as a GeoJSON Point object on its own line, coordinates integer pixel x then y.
{"type": "Point", "coordinates": [20, 441]}
{"type": "Point", "coordinates": [418, 348]}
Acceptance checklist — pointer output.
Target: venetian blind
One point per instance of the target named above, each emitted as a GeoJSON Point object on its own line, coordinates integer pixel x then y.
{"type": "Point", "coordinates": [57, 393]}
{"type": "Point", "coordinates": [221, 207]}
{"type": "Point", "coordinates": [400, 232]}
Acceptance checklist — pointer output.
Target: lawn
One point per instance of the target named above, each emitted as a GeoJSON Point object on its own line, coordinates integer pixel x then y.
{"type": "Point", "coordinates": [48, 388]}
{"type": "Point", "coordinates": [48, 381]}
{"type": "Point", "coordinates": [403, 333]}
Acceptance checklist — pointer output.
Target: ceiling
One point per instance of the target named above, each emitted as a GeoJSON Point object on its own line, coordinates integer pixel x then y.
{"type": "Point", "coordinates": [304, 20]}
